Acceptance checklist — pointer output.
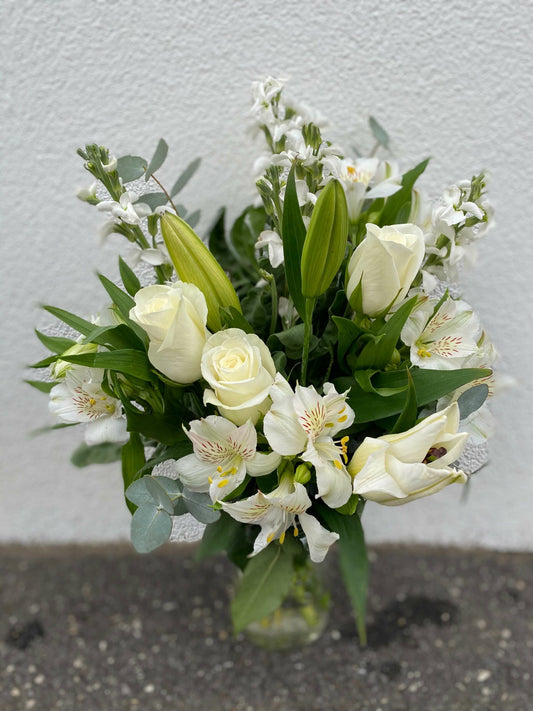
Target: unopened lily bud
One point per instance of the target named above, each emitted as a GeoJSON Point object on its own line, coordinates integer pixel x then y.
{"type": "Point", "coordinates": [325, 243]}
{"type": "Point", "coordinates": [302, 474]}
{"type": "Point", "coordinates": [195, 264]}
{"type": "Point", "coordinates": [60, 367]}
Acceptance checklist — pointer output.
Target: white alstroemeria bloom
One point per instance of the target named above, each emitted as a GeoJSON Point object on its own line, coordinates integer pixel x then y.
{"type": "Point", "coordinates": [398, 468]}
{"type": "Point", "coordinates": [80, 398]}
{"type": "Point", "coordinates": [443, 341]}
{"type": "Point", "coordinates": [125, 209]}
{"type": "Point", "coordinates": [271, 240]}
{"type": "Point", "coordinates": [356, 176]}
{"type": "Point", "coordinates": [277, 511]}
{"type": "Point", "coordinates": [304, 423]}
{"type": "Point", "coordinates": [223, 455]}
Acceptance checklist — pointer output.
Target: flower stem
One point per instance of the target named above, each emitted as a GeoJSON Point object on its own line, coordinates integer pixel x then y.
{"type": "Point", "coordinates": [274, 294]}
{"type": "Point", "coordinates": [165, 192]}
{"type": "Point", "coordinates": [309, 308]}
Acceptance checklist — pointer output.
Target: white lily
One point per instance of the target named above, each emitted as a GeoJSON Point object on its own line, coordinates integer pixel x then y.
{"type": "Point", "coordinates": [223, 455]}
{"type": "Point", "coordinates": [277, 511]}
{"type": "Point", "coordinates": [125, 209]}
{"type": "Point", "coordinates": [443, 341]}
{"type": "Point", "coordinates": [303, 423]}
{"type": "Point", "coordinates": [80, 398]}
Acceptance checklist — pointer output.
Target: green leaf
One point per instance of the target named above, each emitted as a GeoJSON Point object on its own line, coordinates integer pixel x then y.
{"type": "Point", "coordinates": [349, 332]}
{"type": "Point", "coordinates": [44, 363]}
{"type": "Point", "coordinates": [131, 168]}
{"type": "Point", "coordinates": [291, 341]}
{"type": "Point", "coordinates": [162, 429]}
{"type": "Point", "coordinates": [402, 199]}
{"type": "Point", "coordinates": [408, 415]}
{"type": "Point", "coordinates": [126, 361]}
{"type": "Point", "coordinates": [266, 582]}
{"type": "Point", "coordinates": [378, 352]}
{"type": "Point", "coordinates": [133, 459]}
{"type": "Point", "coordinates": [158, 494]}
{"type": "Point", "coordinates": [56, 344]}
{"type": "Point", "coordinates": [381, 136]}
{"type": "Point", "coordinates": [120, 336]}
{"type": "Point", "coordinates": [150, 528]}
{"type": "Point", "coordinates": [184, 178]}
{"type": "Point", "coordinates": [218, 536]}
{"type": "Point", "coordinates": [353, 561]}
{"type": "Point", "coordinates": [137, 493]}
{"type": "Point", "coordinates": [41, 385]}
{"type": "Point", "coordinates": [231, 318]}
{"type": "Point", "coordinates": [293, 236]}
{"type": "Point", "coordinates": [157, 159]}
{"type": "Point", "coordinates": [86, 327]}
{"type": "Point", "coordinates": [429, 385]}
{"type": "Point", "coordinates": [103, 453]}
{"type": "Point", "coordinates": [472, 399]}
{"type": "Point", "coordinates": [153, 200]}
{"type": "Point", "coordinates": [122, 301]}
{"type": "Point", "coordinates": [200, 506]}
{"type": "Point", "coordinates": [129, 278]}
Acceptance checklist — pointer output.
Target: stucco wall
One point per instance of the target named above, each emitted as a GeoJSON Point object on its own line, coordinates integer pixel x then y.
{"type": "Point", "coordinates": [451, 80]}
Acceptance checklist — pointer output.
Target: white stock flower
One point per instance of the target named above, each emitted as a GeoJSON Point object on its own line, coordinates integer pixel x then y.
{"type": "Point", "coordinates": [89, 193]}
{"type": "Point", "coordinates": [127, 209]}
{"type": "Point", "coordinates": [223, 455]}
{"type": "Point", "coordinates": [174, 317]}
{"type": "Point", "coordinates": [303, 423]}
{"type": "Point", "coordinates": [80, 398]}
{"type": "Point", "coordinates": [271, 240]}
{"type": "Point", "coordinates": [239, 368]}
{"type": "Point", "coordinates": [111, 165]}
{"type": "Point", "coordinates": [443, 341]}
{"type": "Point", "coordinates": [155, 256]}
{"type": "Point", "coordinates": [277, 511]}
{"type": "Point", "coordinates": [385, 263]}
{"type": "Point", "coordinates": [398, 468]}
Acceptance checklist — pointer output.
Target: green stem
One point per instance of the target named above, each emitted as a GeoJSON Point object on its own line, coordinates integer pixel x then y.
{"type": "Point", "coordinates": [309, 308]}
{"type": "Point", "coordinates": [274, 316]}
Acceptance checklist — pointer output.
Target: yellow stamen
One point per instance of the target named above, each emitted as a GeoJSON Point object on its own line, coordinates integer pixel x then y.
{"type": "Point", "coordinates": [219, 469]}
{"type": "Point", "coordinates": [222, 483]}
{"type": "Point", "coordinates": [210, 479]}
{"type": "Point", "coordinates": [337, 464]}
{"type": "Point", "coordinates": [423, 352]}
{"type": "Point", "coordinates": [270, 537]}
{"type": "Point", "coordinates": [295, 531]}
{"type": "Point", "coordinates": [92, 401]}
{"type": "Point", "coordinates": [282, 537]}
{"type": "Point", "coordinates": [344, 441]}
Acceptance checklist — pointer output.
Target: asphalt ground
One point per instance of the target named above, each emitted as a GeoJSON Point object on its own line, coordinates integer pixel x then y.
{"type": "Point", "coordinates": [90, 629]}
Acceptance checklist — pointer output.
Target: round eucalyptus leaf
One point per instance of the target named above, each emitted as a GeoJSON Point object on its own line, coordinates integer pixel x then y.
{"type": "Point", "coordinates": [150, 528]}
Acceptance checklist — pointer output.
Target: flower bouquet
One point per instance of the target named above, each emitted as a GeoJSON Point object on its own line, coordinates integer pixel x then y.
{"type": "Point", "coordinates": [311, 358]}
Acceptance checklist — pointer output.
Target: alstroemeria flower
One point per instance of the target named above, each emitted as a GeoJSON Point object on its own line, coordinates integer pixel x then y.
{"type": "Point", "coordinates": [303, 423]}
{"type": "Point", "coordinates": [443, 341]}
{"type": "Point", "coordinates": [80, 398]}
{"type": "Point", "coordinates": [277, 511]}
{"type": "Point", "coordinates": [125, 209]}
{"type": "Point", "coordinates": [223, 455]}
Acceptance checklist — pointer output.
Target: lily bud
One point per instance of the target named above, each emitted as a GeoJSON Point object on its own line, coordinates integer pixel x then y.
{"type": "Point", "coordinates": [195, 264]}
{"type": "Point", "coordinates": [60, 368]}
{"type": "Point", "coordinates": [325, 243]}
{"type": "Point", "coordinates": [302, 474]}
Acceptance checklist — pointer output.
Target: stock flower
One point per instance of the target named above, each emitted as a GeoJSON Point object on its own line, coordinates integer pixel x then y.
{"type": "Point", "coordinates": [125, 209]}
{"type": "Point", "coordinates": [277, 511]}
{"type": "Point", "coordinates": [397, 468]}
{"type": "Point", "coordinates": [239, 368]}
{"type": "Point", "coordinates": [174, 317]}
{"type": "Point", "coordinates": [80, 398]}
{"type": "Point", "coordinates": [303, 423]}
{"type": "Point", "coordinates": [385, 264]}
{"type": "Point", "coordinates": [271, 240]}
{"type": "Point", "coordinates": [444, 340]}
{"type": "Point", "coordinates": [223, 455]}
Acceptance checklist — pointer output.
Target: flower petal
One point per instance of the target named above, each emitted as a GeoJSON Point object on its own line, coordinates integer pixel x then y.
{"type": "Point", "coordinates": [318, 538]}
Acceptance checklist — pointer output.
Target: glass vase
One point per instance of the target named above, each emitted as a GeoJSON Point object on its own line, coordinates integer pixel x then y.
{"type": "Point", "coordinates": [302, 616]}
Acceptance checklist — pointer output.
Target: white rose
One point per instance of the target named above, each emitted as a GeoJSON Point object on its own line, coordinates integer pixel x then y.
{"type": "Point", "coordinates": [386, 262]}
{"type": "Point", "coordinates": [398, 468]}
{"type": "Point", "coordinates": [239, 368]}
{"type": "Point", "coordinates": [174, 318]}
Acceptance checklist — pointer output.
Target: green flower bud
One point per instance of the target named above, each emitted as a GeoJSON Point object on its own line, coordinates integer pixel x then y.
{"type": "Point", "coordinates": [195, 264]}
{"type": "Point", "coordinates": [59, 369]}
{"type": "Point", "coordinates": [325, 243]}
{"type": "Point", "coordinates": [302, 474]}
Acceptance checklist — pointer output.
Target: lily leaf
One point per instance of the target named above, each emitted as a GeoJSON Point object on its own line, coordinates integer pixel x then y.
{"type": "Point", "coordinates": [293, 236]}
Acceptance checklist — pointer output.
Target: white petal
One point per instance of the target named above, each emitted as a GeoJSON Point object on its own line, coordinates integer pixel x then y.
{"type": "Point", "coordinates": [194, 472]}
{"type": "Point", "coordinates": [106, 429]}
{"type": "Point", "coordinates": [262, 464]}
{"type": "Point", "coordinates": [318, 538]}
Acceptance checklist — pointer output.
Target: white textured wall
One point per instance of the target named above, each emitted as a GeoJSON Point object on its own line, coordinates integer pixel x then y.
{"type": "Point", "coordinates": [451, 79]}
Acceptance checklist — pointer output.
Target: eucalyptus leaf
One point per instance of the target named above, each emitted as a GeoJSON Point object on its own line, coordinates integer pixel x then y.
{"type": "Point", "coordinates": [137, 493]}
{"type": "Point", "coordinates": [194, 218]}
{"type": "Point", "coordinates": [381, 136]}
{"type": "Point", "coordinates": [150, 528]}
{"type": "Point", "coordinates": [200, 506]}
{"type": "Point", "coordinates": [103, 453]}
{"type": "Point", "coordinates": [158, 494]}
{"type": "Point", "coordinates": [184, 178]}
{"type": "Point", "coordinates": [131, 168]}
{"type": "Point", "coordinates": [472, 399]}
{"type": "Point", "coordinates": [157, 159]}
{"type": "Point", "coordinates": [153, 200]}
